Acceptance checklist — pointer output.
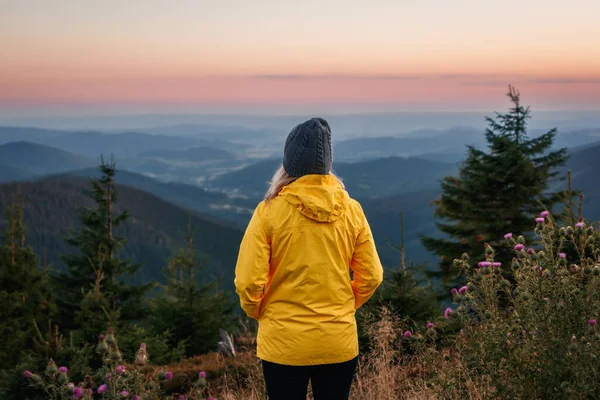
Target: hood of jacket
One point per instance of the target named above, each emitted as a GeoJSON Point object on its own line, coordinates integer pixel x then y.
{"type": "Point", "coordinates": [318, 197]}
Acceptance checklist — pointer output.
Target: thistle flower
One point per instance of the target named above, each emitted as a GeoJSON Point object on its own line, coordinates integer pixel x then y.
{"type": "Point", "coordinates": [447, 313]}
{"type": "Point", "coordinates": [202, 375]}
{"type": "Point", "coordinates": [77, 393]}
{"type": "Point", "coordinates": [429, 325]}
{"type": "Point", "coordinates": [454, 291]}
{"type": "Point", "coordinates": [63, 370]}
{"type": "Point", "coordinates": [407, 334]}
{"type": "Point", "coordinates": [124, 393]}
{"type": "Point", "coordinates": [51, 368]}
{"type": "Point", "coordinates": [120, 369]}
{"type": "Point", "coordinates": [530, 251]}
{"type": "Point", "coordinates": [169, 376]}
{"type": "Point", "coordinates": [562, 255]}
{"type": "Point", "coordinates": [27, 374]}
{"type": "Point", "coordinates": [496, 264]}
{"type": "Point", "coordinates": [508, 236]}
{"type": "Point", "coordinates": [592, 322]}
{"type": "Point", "coordinates": [462, 290]}
{"type": "Point", "coordinates": [579, 225]}
{"type": "Point", "coordinates": [484, 264]}
{"type": "Point", "coordinates": [102, 346]}
{"type": "Point", "coordinates": [519, 247]}
{"type": "Point", "coordinates": [110, 336]}
{"type": "Point", "coordinates": [115, 355]}
{"type": "Point", "coordinates": [102, 388]}
{"type": "Point", "coordinates": [181, 397]}
{"type": "Point", "coordinates": [136, 397]}
{"type": "Point", "coordinates": [141, 357]}
{"type": "Point", "coordinates": [540, 220]}
{"type": "Point", "coordinates": [544, 214]}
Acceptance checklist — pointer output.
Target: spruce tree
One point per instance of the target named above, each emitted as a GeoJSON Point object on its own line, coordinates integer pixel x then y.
{"type": "Point", "coordinates": [192, 309]}
{"type": "Point", "coordinates": [498, 191]}
{"type": "Point", "coordinates": [25, 293]}
{"type": "Point", "coordinates": [94, 289]}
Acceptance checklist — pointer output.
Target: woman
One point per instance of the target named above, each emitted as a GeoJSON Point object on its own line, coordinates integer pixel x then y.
{"type": "Point", "coordinates": [294, 272]}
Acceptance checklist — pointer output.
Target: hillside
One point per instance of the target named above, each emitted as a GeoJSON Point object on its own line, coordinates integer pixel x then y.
{"type": "Point", "coordinates": [212, 205]}
{"type": "Point", "coordinates": [153, 233]}
{"type": "Point", "coordinates": [584, 165]}
{"type": "Point", "coordinates": [9, 174]}
{"type": "Point", "coordinates": [376, 178]}
{"type": "Point", "coordinates": [40, 159]}
{"type": "Point", "coordinates": [195, 154]}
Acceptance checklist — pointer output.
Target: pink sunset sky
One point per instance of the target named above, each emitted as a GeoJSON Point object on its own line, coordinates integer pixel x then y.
{"type": "Point", "coordinates": [401, 54]}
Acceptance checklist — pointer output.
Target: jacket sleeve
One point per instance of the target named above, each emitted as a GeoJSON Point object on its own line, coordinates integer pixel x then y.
{"type": "Point", "coordinates": [252, 269]}
{"type": "Point", "coordinates": [366, 266]}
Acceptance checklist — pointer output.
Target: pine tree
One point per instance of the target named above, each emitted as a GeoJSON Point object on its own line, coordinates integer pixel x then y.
{"type": "Point", "coordinates": [497, 191]}
{"type": "Point", "coordinates": [95, 293]}
{"type": "Point", "coordinates": [192, 311]}
{"type": "Point", "coordinates": [25, 293]}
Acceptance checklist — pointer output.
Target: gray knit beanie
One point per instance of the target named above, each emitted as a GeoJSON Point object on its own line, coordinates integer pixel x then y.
{"type": "Point", "coordinates": [308, 149]}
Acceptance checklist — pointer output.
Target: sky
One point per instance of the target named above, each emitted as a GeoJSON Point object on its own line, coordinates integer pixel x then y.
{"type": "Point", "coordinates": [86, 56]}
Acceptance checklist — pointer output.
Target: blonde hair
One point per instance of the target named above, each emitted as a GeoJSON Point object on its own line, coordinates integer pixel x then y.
{"type": "Point", "coordinates": [281, 179]}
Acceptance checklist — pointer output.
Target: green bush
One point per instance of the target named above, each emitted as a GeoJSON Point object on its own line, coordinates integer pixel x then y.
{"type": "Point", "coordinates": [535, 337]}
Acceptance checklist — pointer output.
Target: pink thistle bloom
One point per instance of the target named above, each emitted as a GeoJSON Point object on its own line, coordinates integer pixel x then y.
{"type": "Point", "coordinates": [202, 375]}
{"type": "Point", "coordinates": [120, 369]}
{"type": "Point", "coordinates": [485, 264]}
{"type": "Point", "coordinates": [169, 376]}
{"type": "Point", "coordinates": [63, 370]}
{"type": "Point", "coordinates": [210, 398]}
{"type": "Point", "coordinates": [27, 374]}
{"type": "Point", "coordinates": [463, 290]}
{"type": "Point", "coordinates": [579, 225]}
{"type": "Point", "coordinates": [181, 397]}
{"type": "Point", "coordinates": [544, 214]}
{"type": "Point", "coordinates": [102, 388]}
{"type": "Point", "coordinates": [77, 393]}
{"type": "Point", "coordinates": [124, 393]}
{"type": "Point", "coordinates": [508, 236]}
{"type": "Point", "coordinates": [143, 346]}
{"type": "Point", "coordinates": [592, 322]}
{"type": "Point", "coordinates": [454, 291]}
{"type": "Point", "coordinates": [90, 391]}
{"type": "Point", "coordinates": [562, 255]}
{"type": "Point", "coordinates": [429, 325]}
{"type": "Point", "coordinates": [540, 220]}
{"type": "Point", "coordinates": [447, 312]}
{"type": "Point", "coordinates": [407, 334]}
{"type": "Point", "coordinates": [496, 264]}
{"type": "Point", "coordinates": [138, 397]}
{"type": "Point", "coordinates": [530, 251]}
{"type": "Point", "coordinates": [519, 247]}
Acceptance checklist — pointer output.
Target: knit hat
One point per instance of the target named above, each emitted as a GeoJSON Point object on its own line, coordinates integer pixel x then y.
{"type": "Point", "coordinates": [307, 149]}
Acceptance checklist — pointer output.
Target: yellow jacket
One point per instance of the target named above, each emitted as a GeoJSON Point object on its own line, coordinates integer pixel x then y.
{"type": "Point", "coordinates": [294, 272]}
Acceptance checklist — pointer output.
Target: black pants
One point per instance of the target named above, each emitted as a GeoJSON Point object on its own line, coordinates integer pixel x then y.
{"type": "Point", "coordinates": [329, 381]}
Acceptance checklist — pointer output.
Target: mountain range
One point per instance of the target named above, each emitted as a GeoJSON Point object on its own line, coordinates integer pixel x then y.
{"type": "Point", "coordinates": [57, 184]}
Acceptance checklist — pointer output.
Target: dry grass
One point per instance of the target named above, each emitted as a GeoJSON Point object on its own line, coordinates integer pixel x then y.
{"type": "Point", "coordinates": [388, 372]}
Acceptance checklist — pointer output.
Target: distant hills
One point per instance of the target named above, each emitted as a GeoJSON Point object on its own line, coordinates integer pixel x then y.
{"type": "Point", "coordinates": [374, 178]}
{"type": "Point", "coordinates": [122, 145]}
{"type": "Point", "coordinates": [39, 159]}
{"type": "Point", "coordinates": [154, 232]}
{"type": "Point", "coordinates": [194, 154]}
{"type": "Point", "coordinates": [211, 205]}
{"type": "Point", "coordinates": [9, 173]}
